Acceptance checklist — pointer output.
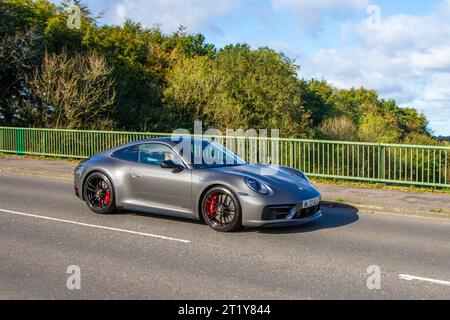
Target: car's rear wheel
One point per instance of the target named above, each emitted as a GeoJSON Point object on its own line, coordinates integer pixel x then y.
{"type": "Point", "coordinates": [221, 209]}
{"type": "Point", "coordinates": [99, 193]}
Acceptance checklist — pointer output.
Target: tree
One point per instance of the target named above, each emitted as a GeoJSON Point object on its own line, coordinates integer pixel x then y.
{"type": "Point", "coordinates": [20, 49]}
{"type": "Point", "coordinates": [413, 122]}
{"type": "Point", "coordinates": [196, 92]}
{"type": "Point", "coordinates": [375, 128]}
{"type": "Point", "coordinates": [318, 100]}
{"type": "Point", "coordinates": [355, 103]}
{"type": "Point", "coordinates": [190, 45]}
{"type": "Point", "coordinates": [18, 54]}
{"type": "Point", "coordinates": [166, 81]}
{"type": "Point", "coordinates": [239, 88]}
{"type": "Point", "coordinates": [71, 92]}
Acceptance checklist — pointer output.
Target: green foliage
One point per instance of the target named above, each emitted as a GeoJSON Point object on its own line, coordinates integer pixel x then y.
{"type": "Point", "coordinates": [339, 128]}
{"type": "Point", "coordinates": [141, 59]}
{"type": "Point", "coordinates": [20, 49]}
{"type": "Point", "coordinates": [138, 87]}
{"type": "Point", "coordinates": [375, 128]}
{"type": "Point", "coordinates": [239, 88]}
{"type": "Point", "coordinates": [355, 103]}
{"type": "Point", "coordinates": [421, 139]}
{"type": "Point", "coordinates": [318, 100]}
{"type": "Point", "coordinates": [166, 81]}
{"type": "Point", "coordinates": [189, 45]}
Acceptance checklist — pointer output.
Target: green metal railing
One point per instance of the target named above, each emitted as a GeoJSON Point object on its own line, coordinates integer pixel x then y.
{"type": "Point", "coordinates": [387, 163]}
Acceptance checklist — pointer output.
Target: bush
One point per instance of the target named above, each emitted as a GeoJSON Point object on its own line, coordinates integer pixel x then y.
{"type": "Point", "coordinates": [375, 128]}
{"type": "Point", "coordinates": [339, 128]}
{"type": "Point", "coordinates": [421, 139]}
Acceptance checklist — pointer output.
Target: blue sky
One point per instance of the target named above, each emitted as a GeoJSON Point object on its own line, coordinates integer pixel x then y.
{"type": "Point", "coordinates": [405, 54]}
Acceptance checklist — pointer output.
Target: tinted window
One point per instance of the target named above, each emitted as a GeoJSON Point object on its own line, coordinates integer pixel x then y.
{"type": "Point", "coordinates": [128, 154]}
{"type": "Point", "coordinates": [209, 154]}
{"type": "Point", "coordinates": [155, 153]}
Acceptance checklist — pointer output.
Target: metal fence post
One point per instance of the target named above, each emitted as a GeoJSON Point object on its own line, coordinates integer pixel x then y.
{"type": "Point", "coordinates": [20, 144]}
{"type": "Point", "coordinates": [382, 163]}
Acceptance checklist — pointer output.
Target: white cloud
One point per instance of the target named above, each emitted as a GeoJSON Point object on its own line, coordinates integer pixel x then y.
{"type": "Point", "coordinates": [443, 8]}
{"type": "Point", "coordinates": [311, 13]}
{"type": "Point", "coordinates": [288, 49]}
{"type": "Point", "coordinates": [435, 58]}
{"type": "Point", "coordinates": [196, 15]}
{"type": "Point", "coordinates": [402, 32]}
{"type": "Point", "coordinates": [406, 59]}
{"type": "Point", "coordinates": [438, 114]}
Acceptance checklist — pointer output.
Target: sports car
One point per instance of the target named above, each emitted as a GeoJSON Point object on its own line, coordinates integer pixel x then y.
{"type": "Point", "coordinates": [198, 179]}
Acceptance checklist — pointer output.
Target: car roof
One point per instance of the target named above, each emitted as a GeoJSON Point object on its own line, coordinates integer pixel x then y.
{"type": "Point", "coordinates": [172, 141]}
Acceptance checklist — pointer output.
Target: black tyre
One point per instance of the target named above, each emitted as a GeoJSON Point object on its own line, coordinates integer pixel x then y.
{"type": "Point", "coordinates": [98, 193]}
{"type": "Point", "coordinates": [221, 209]}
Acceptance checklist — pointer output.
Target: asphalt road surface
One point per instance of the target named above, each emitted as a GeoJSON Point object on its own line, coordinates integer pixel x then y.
{"type": "Point", "coordinates": [44, 229]}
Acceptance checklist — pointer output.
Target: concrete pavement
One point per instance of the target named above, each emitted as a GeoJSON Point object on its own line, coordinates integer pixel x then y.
{"type": "Point", "coordinates": [44, 229]}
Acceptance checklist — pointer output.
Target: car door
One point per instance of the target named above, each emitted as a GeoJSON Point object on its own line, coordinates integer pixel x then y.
{"type": "Point", "coordinates": [157, 187]}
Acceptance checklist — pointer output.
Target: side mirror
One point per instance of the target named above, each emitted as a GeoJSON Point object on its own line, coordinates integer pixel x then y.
{"type": "Point", "coordinates": [169, 164]}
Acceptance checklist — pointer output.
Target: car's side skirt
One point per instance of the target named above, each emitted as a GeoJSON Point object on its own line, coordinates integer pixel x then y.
{"type": "Point", "coordinates": [168, 211]}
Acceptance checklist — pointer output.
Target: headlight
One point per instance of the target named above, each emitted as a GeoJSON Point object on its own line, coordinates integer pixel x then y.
{"type": "Point", "coordinates": [257, 186]}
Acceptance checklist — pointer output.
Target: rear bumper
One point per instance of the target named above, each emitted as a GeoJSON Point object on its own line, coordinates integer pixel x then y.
{"type": "Point", "coordinates": [283, 222]}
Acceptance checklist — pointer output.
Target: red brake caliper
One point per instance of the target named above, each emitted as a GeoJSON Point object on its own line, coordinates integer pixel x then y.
{"type": "Point", "coordinates": [212, 206]}
{"type": "Point", "coordinates": [107, 197]}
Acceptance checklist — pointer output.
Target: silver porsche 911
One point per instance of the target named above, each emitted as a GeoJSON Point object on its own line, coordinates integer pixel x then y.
{"type": "Point", "coordinates": [201, 180]}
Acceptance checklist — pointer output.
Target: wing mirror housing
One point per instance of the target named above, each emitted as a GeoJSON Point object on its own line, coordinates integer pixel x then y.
{"type": "Point", "coordinates": [169, 164]}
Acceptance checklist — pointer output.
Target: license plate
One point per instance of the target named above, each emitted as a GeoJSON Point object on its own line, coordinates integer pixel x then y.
{"type": "Point", "coordinates": [311, 203]}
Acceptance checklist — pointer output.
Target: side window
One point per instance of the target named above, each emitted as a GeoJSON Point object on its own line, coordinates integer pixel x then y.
{"type": "Point", "coordinates": [128, 154]}
{"type": "Point", "coordinates": [155, 153]}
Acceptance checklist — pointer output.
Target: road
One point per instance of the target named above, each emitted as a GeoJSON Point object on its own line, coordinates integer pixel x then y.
{"type": "Point", "coordinates": [44, 229]}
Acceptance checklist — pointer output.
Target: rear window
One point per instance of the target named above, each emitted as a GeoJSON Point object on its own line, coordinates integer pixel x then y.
{"type": "Point", "coordinates": [128, 154]}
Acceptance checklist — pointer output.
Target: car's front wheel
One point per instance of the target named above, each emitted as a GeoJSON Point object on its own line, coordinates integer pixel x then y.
{"type": "Point", "coordinates": [98, 193]}
{"type": "Point", "coordinates": [221, 209]}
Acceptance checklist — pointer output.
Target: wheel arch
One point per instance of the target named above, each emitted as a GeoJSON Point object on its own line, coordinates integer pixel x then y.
{"type": "Point", "coordinates": [91, 172]}
{"type": "Point", "coordinates": [209, 187]}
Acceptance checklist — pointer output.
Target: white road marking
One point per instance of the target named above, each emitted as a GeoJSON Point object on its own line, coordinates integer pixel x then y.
{"type": "Point", "coordinates": [408, 277]}
{"type": "Point", "coordinates": [94, 226]}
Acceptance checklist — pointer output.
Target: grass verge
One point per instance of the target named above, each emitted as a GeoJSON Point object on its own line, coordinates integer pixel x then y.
{"type": "Point", "coordinates": [376, 185]}
{"type": "Point", "coordinates": [27, 156]}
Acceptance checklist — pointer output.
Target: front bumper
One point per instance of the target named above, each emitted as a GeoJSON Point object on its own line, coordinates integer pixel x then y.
{"type": "Point", "coordinates": [76, 189]}
{"type": "Point", "coordinates": [78, 181]}
{"type": "Point", "coordinates": [283, 222]}
{"type": "Point", "coordinates": [283, 211]}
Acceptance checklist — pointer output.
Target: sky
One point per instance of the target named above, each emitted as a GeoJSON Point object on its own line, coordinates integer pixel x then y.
{"type": "Point", "coordinates": [400, 48]}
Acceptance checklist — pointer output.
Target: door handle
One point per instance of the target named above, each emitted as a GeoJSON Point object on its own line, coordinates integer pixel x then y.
{"type": "Point", "coordinates": [134, 175]}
